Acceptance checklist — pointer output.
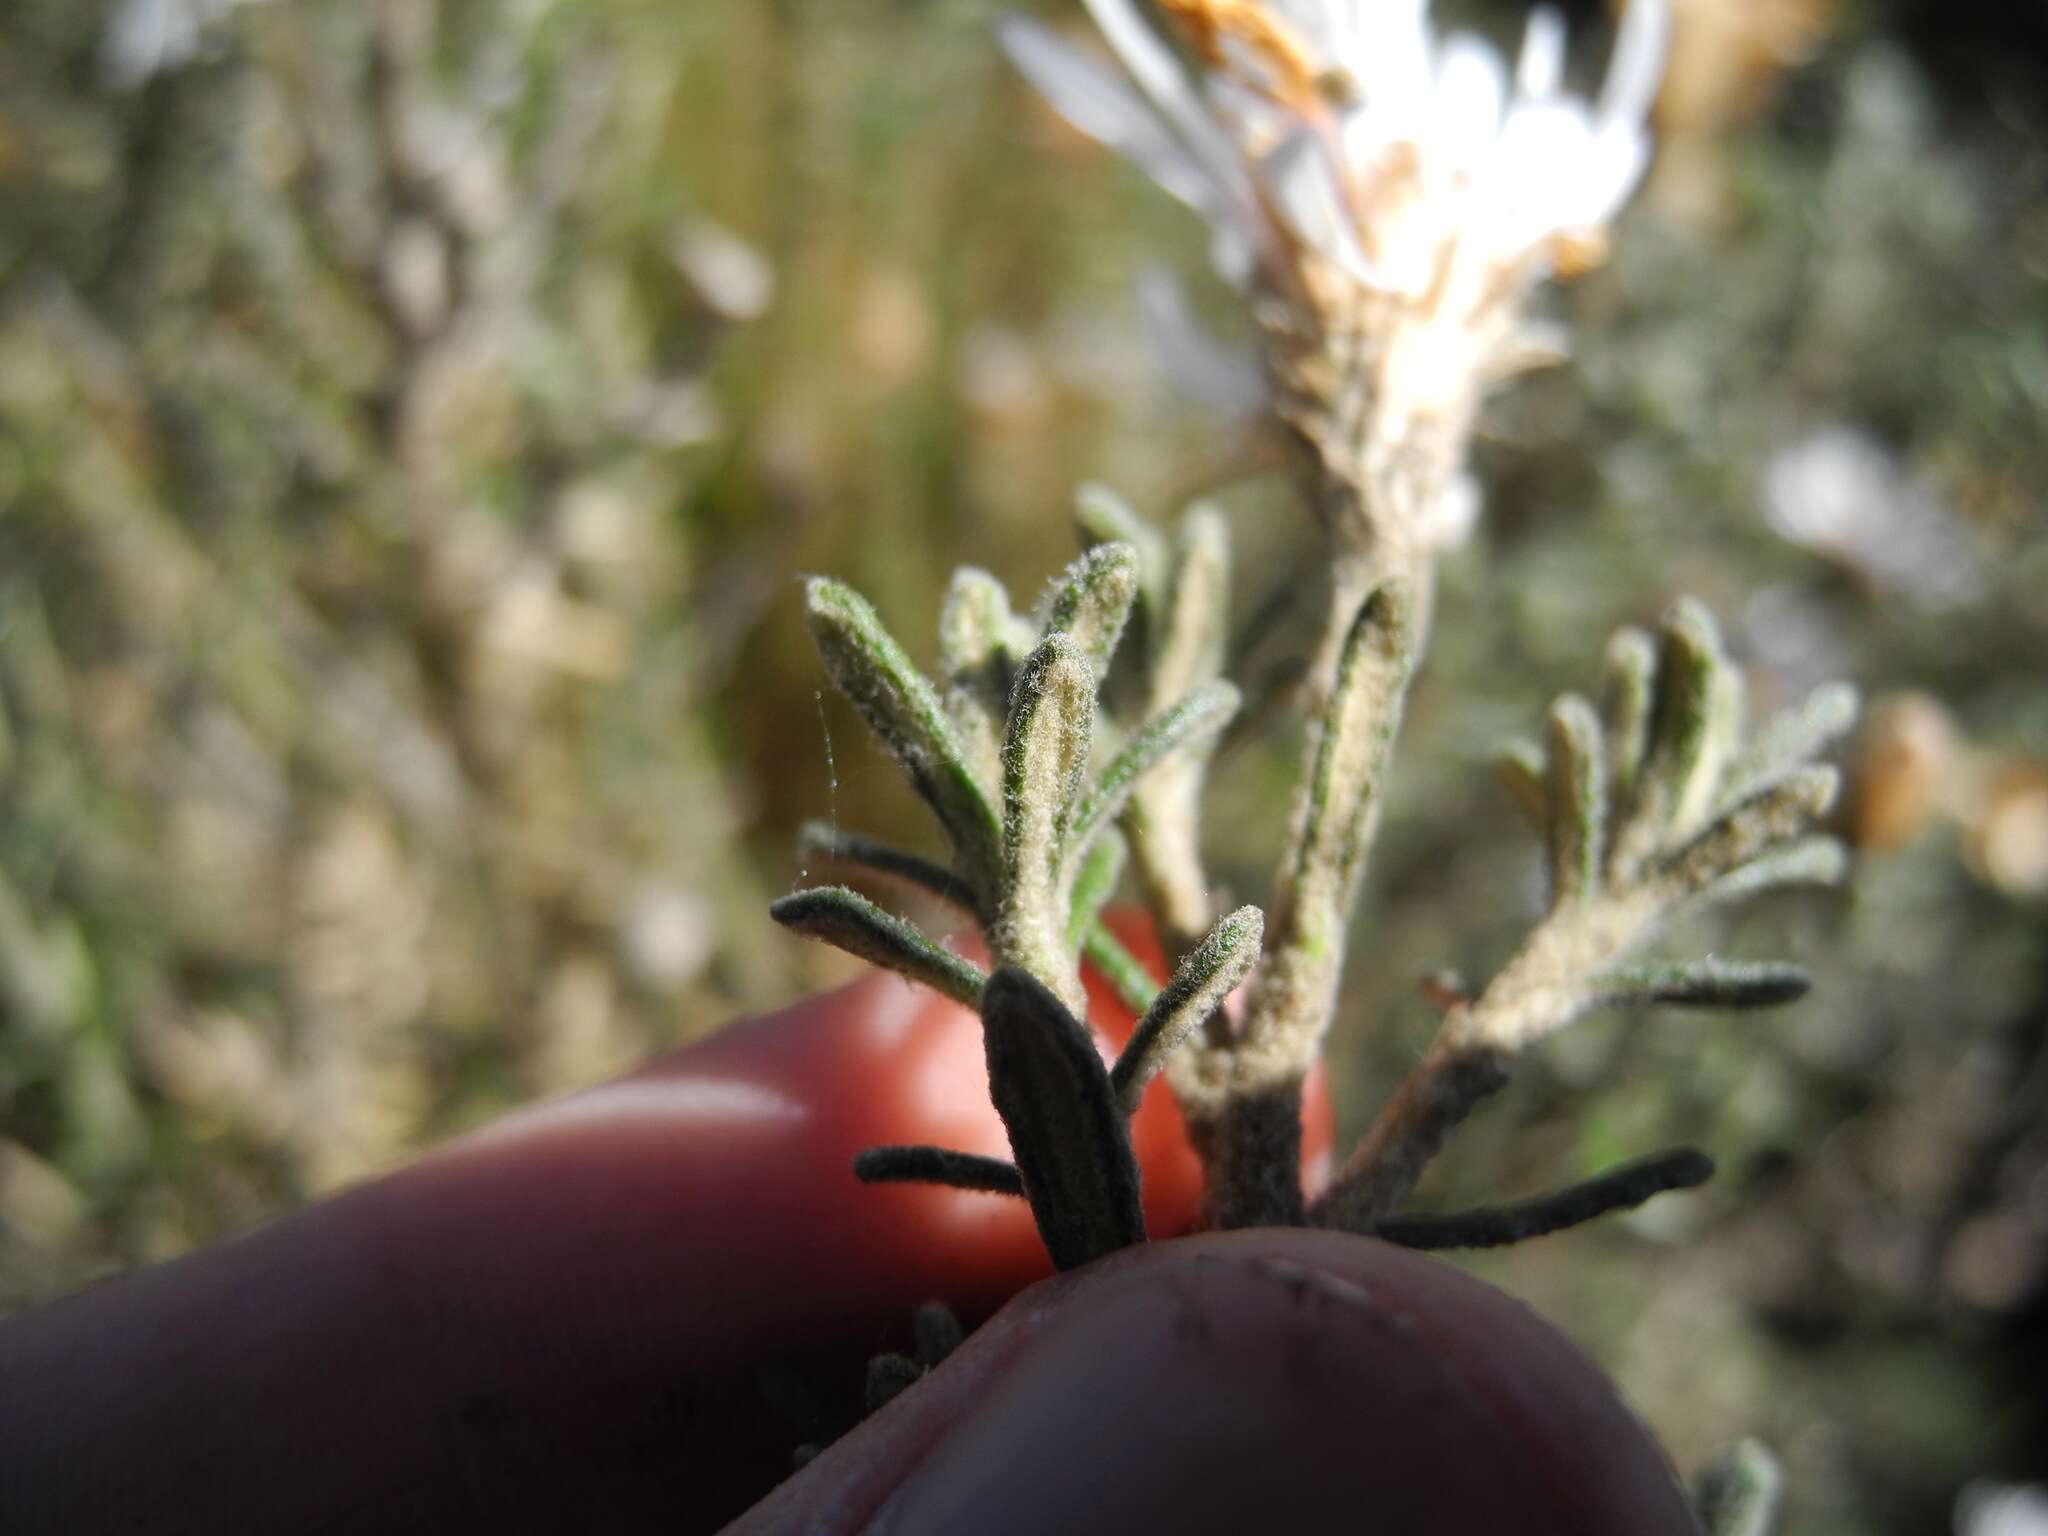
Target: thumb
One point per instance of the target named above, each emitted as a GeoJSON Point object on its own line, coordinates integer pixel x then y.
{"type": "Point", "coordinates": [1286, 1381]}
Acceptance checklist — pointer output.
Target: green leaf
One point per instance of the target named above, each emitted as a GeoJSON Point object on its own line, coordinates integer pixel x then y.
{"type": "Point", "coordinates": [1210, 973]}
{"type": "Point", "coordinates": [1194, 631]}
{"type": "Point", "coordinates": [903, 710]}
{"type": "Point", "coordinates": [981, 645]}
{"type": "Point", "coordinates": [1045, 750]}
{"type": "Point", "coordinates": [849, 921]}
{"type": "Point", "coordinates": [1792, 738]}
{"type": "Point", "coordinates": [1578, 799]}
{"type": "Point", "coordinates": [1817, 860]}
{"type": "Point", "coordinates": [1706, 984]}
{"type": "Point", "coordinates": [1696, 715]}
{"type": "Point", "coordinates": [1195, 720]}
{"type": "Point", "coordinates": [827, 842]}
{"type": "Point", "coordinates": [1627, 699]}
{"type": "Point", "coordinates": [1496, 1226]}
{"type": "Point", "coordinates": [1776, 815]}
{"type": "Point", "coordinates": [1066, 1130]}
{"type": "Point", "coordinates": [1124, 971]}
{"type": "Point", "coordinates": [937, 1165]}
{"type": "Point", "coordinates": [1358, 729]}
{"type": "Point", "coordinates": [1091, 602]}
{"type": "Point", "coordinates": [1163, 817]}
{"type": "Point", "coordinates": [1699, 714]}
{"type": "Point", "coordinates": [978, 632]}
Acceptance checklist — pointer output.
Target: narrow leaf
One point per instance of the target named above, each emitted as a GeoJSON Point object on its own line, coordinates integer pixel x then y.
{"type": "Point", "coordinates": [1163, 816]}
{"type": "Point", "coordinates": [903, 709]}
{"type": "Point", "coordinates": [851, 922]}
{"type": "Point", "coordinates": [1706, 984]}
{"type": "Point", "coordinates": [1045, 750]}
{"type": "Point", "coordinates": [981, 645]}
{"type": "Point", "coordinates": [1203, 980]}
{"type": "Point", "coordinates": [1818, 860]}
{"type": "Point", "coordinates": [1363, 716]}
{"type": "Point", "coordinates": [826, 841]}
{"type": "Point", "coordinates": [1619, 1189]}
{"type": "Point", "coordinates": [1072, 1147]}
{"type": "Point", "coordinates": [1792, 738]}
{"type": "Point", "coordinates": [1578, 799]}
{"type": "Point", "coordinates": [1694, 718]}
{"type": "Point", "coordinates": [1775, 815]}
{"type": "Point", "coordinates": [1699, 714]}
{"type": "Point", "coordinates": [1626, 700]}
{"type": "Point", "coordinates": [937, 1165]}
{"type": "Point", "coordinates": [1194, 631]}
{"type": "Point", "coordinates": [1091, 601]}
{"type": "Point", "coordinates": [977, 630]}
{"type": "Point", "coordinates": [1196, 719]}
{"type": "Point", "coordinates": [1125, 972]}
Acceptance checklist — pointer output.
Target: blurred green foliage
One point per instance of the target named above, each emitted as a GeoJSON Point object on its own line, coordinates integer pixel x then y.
{"type": "Point", "coordinates": [413, 416]}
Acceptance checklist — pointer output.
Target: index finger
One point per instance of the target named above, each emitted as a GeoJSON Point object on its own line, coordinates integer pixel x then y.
{"type": "Point", "coordinates": [602, 1310]}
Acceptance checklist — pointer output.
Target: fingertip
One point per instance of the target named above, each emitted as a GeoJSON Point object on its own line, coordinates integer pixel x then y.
{"type": "Point", "coordinates": [1295, 1381]}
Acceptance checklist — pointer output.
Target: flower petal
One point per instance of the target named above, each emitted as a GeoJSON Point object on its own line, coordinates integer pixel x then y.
{"type": "Point", "coordinates": [1611, 167]}
{"type": "Point", "coordinates": [1540, 69]}
{"type": "Point", "coordinates": [1160, 77]}
{"type": "Point", "coordinates": [1231, 253]}
{"type": "Point", "coordinates": [1471, 88]}
{"type": "Point", "coordinates": [1390, 56]}
{"type": "Point", "coordinates": [1303, 188]}
{"type": "Point", "coordinates": [1638, 64]}
{"type": "Point", "coordinates": [1531, 183]}
{"type": "Point", "coordinates": [1102, 106]}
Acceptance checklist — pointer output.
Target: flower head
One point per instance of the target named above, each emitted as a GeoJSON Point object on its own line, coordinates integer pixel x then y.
{"type": "Point", "coordinates": [1386, 196]}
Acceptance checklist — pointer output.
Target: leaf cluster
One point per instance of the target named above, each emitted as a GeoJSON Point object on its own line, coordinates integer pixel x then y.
{"type": "Point", "coordinates": [1003, 746]}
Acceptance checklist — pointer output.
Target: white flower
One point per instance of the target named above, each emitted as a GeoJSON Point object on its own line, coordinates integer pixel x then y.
{"type": "Point", "coordinates": [1386, 195]}
{"type": "Point", "coordinates": [1401, 157]}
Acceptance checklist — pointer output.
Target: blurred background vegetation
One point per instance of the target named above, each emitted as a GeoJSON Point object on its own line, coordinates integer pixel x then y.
{"type": "Point", "coordinates": [413, 415]}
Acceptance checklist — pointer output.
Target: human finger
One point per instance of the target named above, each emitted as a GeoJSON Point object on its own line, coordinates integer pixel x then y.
{"type": "Point", "coordinates": [1289, 1381]}
{"type": "Point", "coordinates": [628, 1303]}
